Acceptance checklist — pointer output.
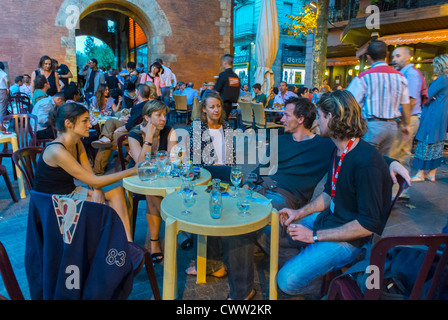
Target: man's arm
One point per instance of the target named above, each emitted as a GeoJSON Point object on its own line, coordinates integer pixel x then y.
{"type": "Point", "coordinates": [321, 203]}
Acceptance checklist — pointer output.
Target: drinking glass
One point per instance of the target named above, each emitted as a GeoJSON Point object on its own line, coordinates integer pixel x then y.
{"type": "Point", "coordinates": [187, 194]}
{"type": "Point", "coordinates": [6, 126]}
{"type": "Point", "coordinates": [235, 177]}
{"type": "Point", "coordinates": [162, 160]}
{"type": "Point", "coordinates": [243, 203]}
{"type": "Point", "coordinates": [251, 181]}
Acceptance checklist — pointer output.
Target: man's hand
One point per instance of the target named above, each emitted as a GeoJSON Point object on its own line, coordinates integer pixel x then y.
{"type": "Point", "coordinates": [406, 132]}
{"type": "Point", "coordinates": [287, 216]}
{"type": "Point", "coordinates": [301, 233]}
{"type": "Point", "coordinates": [396, 168]}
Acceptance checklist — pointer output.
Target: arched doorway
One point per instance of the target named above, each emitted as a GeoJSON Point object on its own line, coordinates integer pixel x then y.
{"type": "Point", "coordinates": [147, 15]}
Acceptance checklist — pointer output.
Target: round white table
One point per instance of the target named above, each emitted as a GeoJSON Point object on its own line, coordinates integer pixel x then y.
{"type": "Point", "coordinates": [201, 223]}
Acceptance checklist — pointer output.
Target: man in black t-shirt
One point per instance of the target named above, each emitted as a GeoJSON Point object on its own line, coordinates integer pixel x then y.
{"type": "Point", "coordinates": [63, 71]}
{"type": "Point", "coordinates": [228, 84]}
{"type": "Point", "coordinates": [355, 203]}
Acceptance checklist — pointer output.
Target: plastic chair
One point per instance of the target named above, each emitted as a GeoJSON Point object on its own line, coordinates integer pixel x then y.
{"type": "Point", "coordinates": [180, 102]}
{"type": "Point", "coordinates": [91, 237]}
{"type": "Point", "coordinates": [25, 127]}
{"type": "Point", "coordinates": [25, 160]}
{"type": "Point", "coordinates": [260, 117]}
{"type": "Point", "coordinates": [345, 288]}
{"type": "Point", "coordinates": [22, 103]}
{"type": "Point", "coordinates": [247, 118]}
{"type": "Point", "coordinates": [8, 276]}
{"type": "Point", "coordinates": [136, 198]}
{"type": "Point", "coordinates": [4, 173]}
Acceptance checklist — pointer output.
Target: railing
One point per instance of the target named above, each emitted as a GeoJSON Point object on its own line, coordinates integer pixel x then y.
{"type": "Point", "coordinates": [407, 4]}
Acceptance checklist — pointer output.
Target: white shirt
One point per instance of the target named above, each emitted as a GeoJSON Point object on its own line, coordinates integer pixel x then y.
{"type": "Point", "coordinates": [217, 136]}
{"type": "Point", "coordinates": [166, 77]}
{"type": "Point", "coordinates": [3, 77]}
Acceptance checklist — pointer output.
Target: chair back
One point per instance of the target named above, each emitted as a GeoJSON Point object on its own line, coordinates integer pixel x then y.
{"type": "Point", "coordinates": [120, 155]}
{"type": "Point", "coordinates": [22, 103]}
{"type": "Point", "coordinates": [180, 102]}
{"type": "Point", "coordinates": [247, 117]}
{"type": "Point", "coordinates": [259, 115]}
{"type": "Point", "coordinates": [68, 237]}
{"type": "Point", "coordinates": [25, 160]}
{"type": "Point", "coordinates": [25, 127]}
{"type": "Point", "coordinates": [195, 112]}
{"type": "Point", "coordinates": [8, 276]}
{"type": "Point", "coordinates": [433, 242]}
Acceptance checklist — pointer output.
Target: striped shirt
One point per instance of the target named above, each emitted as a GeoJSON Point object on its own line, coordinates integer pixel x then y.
{"type": "Point", "coordinates": [380, 91]}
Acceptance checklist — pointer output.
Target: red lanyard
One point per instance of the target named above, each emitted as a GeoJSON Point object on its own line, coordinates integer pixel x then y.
{"type": "Point", "coordinates": [335, 174]}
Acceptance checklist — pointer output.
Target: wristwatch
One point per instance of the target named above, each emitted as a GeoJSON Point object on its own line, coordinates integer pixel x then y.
{"type": "Point", "coordinates": [315, 236]}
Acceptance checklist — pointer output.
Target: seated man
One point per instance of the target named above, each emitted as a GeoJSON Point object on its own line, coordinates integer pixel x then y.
{"type": "Point", "coordinates": [303, 160]}
{"type": "Point", "coordinates": [41, 87]}
{"type": "Point", "coordinates": [114, 128]}
{"type": "Point", "coordinates": [191, 94]}
{"type": "Point", "coordinates": [15, 88]}
{"type": "Point", "coordinates": [331, 230]}
{"type": "Point", "coordinates": [260, 97]}
{"type": "Point", "coordinates": [42, 110]}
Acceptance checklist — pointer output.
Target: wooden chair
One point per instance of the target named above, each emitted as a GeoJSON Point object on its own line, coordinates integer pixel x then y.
{"type": "Point", "coordinates": [8, 276]}
{"type": "Point", "coordinates": [260, 117]}
{"type": "Point", "coordinates": [25, 160]}
{"type": "Point", "coordinates": [25, 127]}
{"type": "Point", "coordinates": [195, 112]}
{"type": "Point", "coordinates": [22, 102]}
{"type": "Point", "coordinates": [4, 173]}
{"type": "Point", "coordinates": [121, 163]}
{"type": "Point", "coordinates": [181, 107]}
{"type": "Point", "coordinates": [247, 118]}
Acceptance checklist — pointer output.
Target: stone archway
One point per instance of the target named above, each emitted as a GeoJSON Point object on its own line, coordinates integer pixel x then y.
{"type": "Point", "coordinates": [147, 13]}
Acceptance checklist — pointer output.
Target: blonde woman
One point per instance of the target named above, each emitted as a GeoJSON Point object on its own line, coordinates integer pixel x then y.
{"type": "Point", "coordinates": [152, 135]}
{"type": "Point", "coordinates": [433, 124]}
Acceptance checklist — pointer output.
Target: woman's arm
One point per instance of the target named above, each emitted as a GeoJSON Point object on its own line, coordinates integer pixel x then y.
{"type": "Point", "coordinates": [58, 87]}
{"type": "Point", "coordinates": [59, 156]}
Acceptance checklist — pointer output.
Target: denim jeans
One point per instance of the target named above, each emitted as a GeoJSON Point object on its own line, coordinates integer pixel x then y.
{"type": "Point", "coordinates": [313, 261]}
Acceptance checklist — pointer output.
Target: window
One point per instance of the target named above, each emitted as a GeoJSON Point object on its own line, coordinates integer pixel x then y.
{"type": "Point", "coordinates": [244, 19]}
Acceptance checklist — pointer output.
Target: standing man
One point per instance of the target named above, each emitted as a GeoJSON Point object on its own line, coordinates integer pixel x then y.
{"type": "Point", "coordinates": [401, 149]}
{"type": "Point", "coordinates": [228, 84]}
{"type": "Point", "coordinates": [167, 82]}
{"type": "Point", "coordinates": [93, 77]}
{"type": "Point", "coordinates": [380, 91]}
{"type": "Point", "coordinates": [4, 91]}
{"type": "Point", "coordinates": [63, 71]}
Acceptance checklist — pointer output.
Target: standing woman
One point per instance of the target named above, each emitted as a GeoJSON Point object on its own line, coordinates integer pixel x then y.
{"type": "Point", "coordinates": [46, 68]}
{"type": "Point", "coordinates": [152, 135]}
{"type": "Point", "coordinates": [155, 70]}
{"type": "Point", "coordinates": [65, 160]}
{"type": "Point", "coordinates": [431, 133]}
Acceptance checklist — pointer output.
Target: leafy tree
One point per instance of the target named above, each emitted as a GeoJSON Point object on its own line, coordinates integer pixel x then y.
{"type": "Point", "coordinates": [102, 53]}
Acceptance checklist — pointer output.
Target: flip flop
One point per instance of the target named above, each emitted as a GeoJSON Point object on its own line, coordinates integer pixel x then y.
{"type": "Point", "coordinates": [417, 179]}
{"type": "Point", "coordinates": [98, 144]}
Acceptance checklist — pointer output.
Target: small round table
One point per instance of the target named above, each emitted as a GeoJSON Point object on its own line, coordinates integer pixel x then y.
{"type": "Point", "coordinates": [201, 223]}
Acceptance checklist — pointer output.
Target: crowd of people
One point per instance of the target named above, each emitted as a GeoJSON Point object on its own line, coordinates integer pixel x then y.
{"type": "Point", "coordinates": [365, 139]}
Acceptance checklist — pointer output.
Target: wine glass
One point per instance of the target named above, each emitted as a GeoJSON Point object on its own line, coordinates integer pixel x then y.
{"type": "Point", "coordinates": [6, 126]}
{"type": "Point", "coordinates": [243, 203]}
{"type": "Point", "coordinates": [235, 177]}
{"type": "Point", "coordinates": [180, 153]}
{"type": "Point", "coordinates": [187, 194]}
{"type": "Point", "coordinates": [251, 181]}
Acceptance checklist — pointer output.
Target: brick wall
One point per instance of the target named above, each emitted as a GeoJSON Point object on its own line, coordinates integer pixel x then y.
{"type": "Point", "coordinates": [200, 35]}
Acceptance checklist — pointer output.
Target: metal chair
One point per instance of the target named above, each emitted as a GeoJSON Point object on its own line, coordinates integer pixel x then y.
{"type": "Point", "coordinates": [260, 117]}
{"type": "Point", "coordinates": [247, 118]}
{"type": "Point", "coordinates": [25, 160]}
{"type": "Point", "coordinates": [8, 276]}
{"type": "Point", "coordinates": [25, 128]}
{"type": "Point", "coordinates": [195, 112]}
{"type": "Point", "coordinates": [181, 107]}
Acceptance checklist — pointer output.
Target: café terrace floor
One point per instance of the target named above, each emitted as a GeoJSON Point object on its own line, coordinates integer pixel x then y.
{"type": "Point", "coordinates": [426, 213]}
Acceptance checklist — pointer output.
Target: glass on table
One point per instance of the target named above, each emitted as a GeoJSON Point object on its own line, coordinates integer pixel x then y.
{"type": "Point", "coordinates": [6, 126]}
{"type": "Point", "coordinates": [187, 194]}
{"type": "Point", "coordinates": [147, 170]}
{"type": "Point", "coordinates": [243, 203]}
{"type": "Point", "coordinates": [251, 181]}
{"type": "Point", "coordinates": [236, 177]}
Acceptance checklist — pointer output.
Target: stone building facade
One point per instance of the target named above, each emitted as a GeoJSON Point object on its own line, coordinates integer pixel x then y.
{"type": "Point", "coordinates": [189, 35]}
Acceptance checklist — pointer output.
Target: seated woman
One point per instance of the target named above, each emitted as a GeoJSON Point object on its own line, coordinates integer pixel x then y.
{"type": "Point", "coordinates": [65, 160]}
{"type": "Point", "coordinates": [211, 146]}
{"type": "Point", "coordinates": [152, 135]}
{"type": "Point", "coordinates": [103, 102]}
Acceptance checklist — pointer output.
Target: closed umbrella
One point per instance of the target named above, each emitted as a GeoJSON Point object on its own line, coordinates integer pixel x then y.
{"type": "Point", "coordinates": [266, 45]}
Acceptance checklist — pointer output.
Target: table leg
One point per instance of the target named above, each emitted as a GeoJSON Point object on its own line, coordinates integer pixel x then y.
{"type": "Point", "coordinates": [170, 263]}
{"type": "Point", "coordinates": [202, 259]}
{"type": "Point", "coordinates": [274, 255]}
{"type": "Point", "coordinates": [130, 204]}
{"type": "Point", "coordinates": [15, 147]}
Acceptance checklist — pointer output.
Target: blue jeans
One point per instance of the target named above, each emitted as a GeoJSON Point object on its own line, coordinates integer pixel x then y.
{"type": "Point", "coordinates": [313, 261]}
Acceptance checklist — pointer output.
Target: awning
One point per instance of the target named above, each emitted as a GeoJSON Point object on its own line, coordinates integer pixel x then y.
{"type": "Point", "coordinates": [409, 38]}
{"type": "Point", "coordinates": [342, 61]}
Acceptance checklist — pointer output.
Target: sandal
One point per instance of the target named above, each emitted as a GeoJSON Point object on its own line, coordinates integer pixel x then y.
{"type": "Point", "coordinates": [431, 178]}
{"type": "Point", "coordinates": [157, 257]}
{"type": "Point", "coordinates": [417, 178]}
{"type": "Point", "coordinates": [101, 143]}
{"type": "Point", "coordinates": [191, 271]}
{"type": "Point", "coordinates": [249, 297]}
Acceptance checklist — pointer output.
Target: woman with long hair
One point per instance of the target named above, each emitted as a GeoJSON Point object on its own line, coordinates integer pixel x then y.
{"type": "Point", "coordinates": [46, 68]}
{"type": "Point", "coordinates": [65, 160]}
{"type": "Point", "coordinates": [153, 75]}
{"type": "Point", "coordinates": [103, 102]}
{"type": "Point", "coordinates": [432, 130]}
{"type": "Point", "coordinates": [152, 135]}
